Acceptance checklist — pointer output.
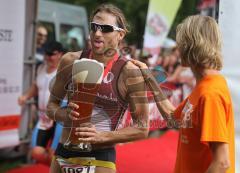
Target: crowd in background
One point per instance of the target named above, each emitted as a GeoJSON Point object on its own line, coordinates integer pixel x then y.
{"type": "Point", "coordinates": [175, 79]}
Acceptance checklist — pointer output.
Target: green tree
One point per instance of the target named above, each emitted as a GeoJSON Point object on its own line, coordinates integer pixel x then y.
{"type": "Point", "coordinates": [136, 13]}
{"type": "Point", "coordinates": [187, 8]}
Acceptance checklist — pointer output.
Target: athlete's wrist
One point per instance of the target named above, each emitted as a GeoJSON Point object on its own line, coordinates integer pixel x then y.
{"type": "Point", "coordinates": [107, 138]}
{"type": "Point", "coordinates": [61, 114]}
{"type": "Point", "coordinates": [146, 73]}
{"type": "Point", "coordinates": [104, 137]}
{"type": "Point", "coordinates": [155, 88]}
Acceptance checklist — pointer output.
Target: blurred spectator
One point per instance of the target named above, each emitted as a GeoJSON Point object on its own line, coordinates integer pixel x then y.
{"type": "Point", "coordinates": [170, 61]}
{"type": "Point", "coordinates": [41, 39]}
{"type": "Point", "coordinates": [186, 78]}
{"type": "Point", "coordinates": [73, 45]}
{"type": "Point", "coordinates": [45, 128]}
{"type": "Point", "coordinates": [159, 74]}
{"type": "Point", "coordinates": [180, 79]}
{"type": "Point", "coordinates": [159, 61]}
{"type": "Point", "coordinates": [144, 57]}
{"type": "Point", "coordinates": [133, 53]}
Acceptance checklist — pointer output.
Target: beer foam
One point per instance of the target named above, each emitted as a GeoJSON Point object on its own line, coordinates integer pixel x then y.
{"type": "Point", "coordinates": [87, 71]}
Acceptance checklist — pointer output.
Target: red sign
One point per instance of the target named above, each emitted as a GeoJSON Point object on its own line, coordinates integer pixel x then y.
{"type": "Point", "coordinates": [9, 122]}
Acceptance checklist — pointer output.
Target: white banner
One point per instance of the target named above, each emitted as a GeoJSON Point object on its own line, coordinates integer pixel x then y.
{"type": "Point", "coordinates": [161, 14]}
{"type": "Point", "coordinates": [12, 34]}
{"type": "Point", "coordinates": [229, 22]}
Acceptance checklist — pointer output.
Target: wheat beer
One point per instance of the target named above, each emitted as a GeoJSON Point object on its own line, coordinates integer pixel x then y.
{"type": "Point", "coordinates": [87, 76]}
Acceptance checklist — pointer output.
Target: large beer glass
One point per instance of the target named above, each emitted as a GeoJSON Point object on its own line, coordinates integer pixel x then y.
{"type": "Point", "coordinates": [87, 76]}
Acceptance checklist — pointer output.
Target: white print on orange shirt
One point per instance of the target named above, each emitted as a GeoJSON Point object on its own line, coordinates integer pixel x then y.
{"type": "Point", "coordinates": [186, 112]}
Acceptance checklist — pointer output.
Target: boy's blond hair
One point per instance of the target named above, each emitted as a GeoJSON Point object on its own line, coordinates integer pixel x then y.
{"type": "Point", "coordinates": [199, 41]}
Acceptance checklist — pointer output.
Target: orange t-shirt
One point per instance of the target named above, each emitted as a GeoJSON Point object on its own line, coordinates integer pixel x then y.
{"type": "Point", "coordinates": [205, 116]}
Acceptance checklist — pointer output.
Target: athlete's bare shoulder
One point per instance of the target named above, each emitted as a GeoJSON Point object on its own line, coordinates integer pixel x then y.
{"type": "Point", "coordinates": [129, 77]}
{"type": "Point", "coordinates": [124, 76]}
{"type": "Point", "coordinates": [131, 70]}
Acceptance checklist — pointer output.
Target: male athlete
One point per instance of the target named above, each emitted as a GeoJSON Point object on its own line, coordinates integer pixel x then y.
{"type": "Point", "coordinates": [122, 87]}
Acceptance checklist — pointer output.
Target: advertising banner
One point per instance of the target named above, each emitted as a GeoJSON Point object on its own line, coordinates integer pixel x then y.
{"type": "Point", "coordinates": [12, 33]}
{"type": "Point", "coordinates": [161, 14]}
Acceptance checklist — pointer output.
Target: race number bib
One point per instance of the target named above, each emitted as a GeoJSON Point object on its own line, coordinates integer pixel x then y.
{"type": "Point", "coordinates": [67, 167]}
